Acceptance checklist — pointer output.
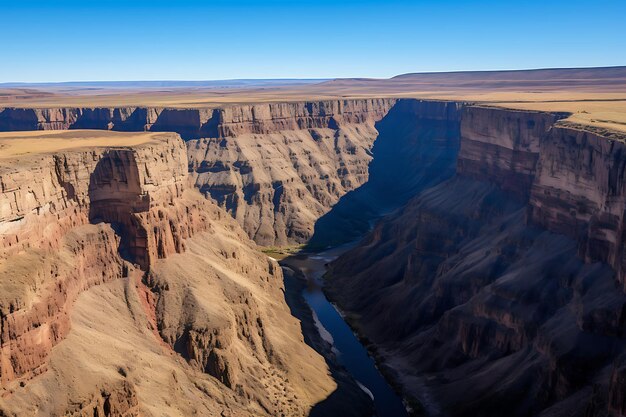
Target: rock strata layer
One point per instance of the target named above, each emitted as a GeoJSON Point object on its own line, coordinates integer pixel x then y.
{"type": "Point", "coordinates": [500, 290]}
{"type": "Point", "coordinates": [121, 284]}
{"type": "Point", "coordinates": [278, 168]}
{"type": "Point", "coordinates": [275, 167]}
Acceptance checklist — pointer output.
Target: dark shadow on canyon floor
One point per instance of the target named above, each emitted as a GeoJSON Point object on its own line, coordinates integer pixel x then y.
{"type": "Point", "coordinates": [416, 148]}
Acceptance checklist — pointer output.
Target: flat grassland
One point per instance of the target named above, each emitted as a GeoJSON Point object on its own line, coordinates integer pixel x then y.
{"type": "Point", "coordinates": [594, 96]}
{"type": "Point", "coordinates": [14, 144]}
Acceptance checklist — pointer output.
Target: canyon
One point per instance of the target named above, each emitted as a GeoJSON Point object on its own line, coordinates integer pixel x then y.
{"type": "Point", "coordinates": [277, 168]}
{"type": "Point", "coordinates": [485, 272]}
{"type": "Point", "coordinates": [126, 287]}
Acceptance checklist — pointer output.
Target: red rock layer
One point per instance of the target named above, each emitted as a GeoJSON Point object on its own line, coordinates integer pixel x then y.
{"type": "Point", "coordinates": [196, 123]}
{"type": "Point", "coordinates": [50, 251]}
{"type": "Point", "coordinates": [36, 321]}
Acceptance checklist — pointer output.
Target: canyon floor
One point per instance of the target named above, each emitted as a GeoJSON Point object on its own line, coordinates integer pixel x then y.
{"type": "Point", "coordinates": [486, 272]}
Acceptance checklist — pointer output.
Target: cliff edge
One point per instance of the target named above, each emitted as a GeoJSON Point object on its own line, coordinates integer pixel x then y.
{"type": "Point", "coordinates": [123, 285]}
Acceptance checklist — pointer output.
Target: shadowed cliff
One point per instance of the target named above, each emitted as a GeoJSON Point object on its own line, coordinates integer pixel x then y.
{"type": "Point", "coordinates": [416, 148]}
{"type": "Point", "coordinates": [500, 290]}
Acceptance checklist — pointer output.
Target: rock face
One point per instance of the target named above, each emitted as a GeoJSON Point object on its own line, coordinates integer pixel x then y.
{"type": "Point", "coordinates": [572, 177]}
{"type": "Point", "coordinates": [278, 167]}
{"type": "Point", "coordinates": [199, 123]}
{"type": "Point", "coordinates": [275, 167]}
{"type": "Point", "coordinates": [474, 294]}
{"type": "Point", "coordinates": [503, 146]}
{"type": "Point", "coordinates": [153, 298]}
{"type": "Point", "coordinates": [45, 206]}
{"type": "Point", "coordinates": [123, 119]}
{"type": "Point", "coordinates": [579, 191]}
{"type": "Point", "coordinates": [416, 147]}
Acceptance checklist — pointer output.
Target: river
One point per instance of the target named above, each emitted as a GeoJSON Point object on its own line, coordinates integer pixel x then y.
{"type": "Point", "coordinates": [333, 328]}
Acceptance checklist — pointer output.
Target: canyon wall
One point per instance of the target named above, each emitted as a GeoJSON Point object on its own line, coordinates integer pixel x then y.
{"type": "Point", "coordinates": [45, 208]}
{"type": "Point", "coordinates": [202, 122]}
{"type": "Point", "coordinates": [499, 291]}
{"type": "Point", "coordinates": [571, 176]}
{"type": "Point", "coordinates": [278, 168]}
{"type": "Point", "coordinates": [275, 167]}
{"type": "Point", "coordinates": [121, 284]}
{"type": "Point", "coordinates": [580, 192]}
{"type": "Point", "coordinates": [503, 146]}
{"type": "Point", "coordinates": [415, 148]}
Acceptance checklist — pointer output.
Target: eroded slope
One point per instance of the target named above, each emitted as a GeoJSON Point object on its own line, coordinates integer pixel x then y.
{"type": "Point", "coordinates": [125, 292]}
{"type": "Point", "coordinates": [278, 168]}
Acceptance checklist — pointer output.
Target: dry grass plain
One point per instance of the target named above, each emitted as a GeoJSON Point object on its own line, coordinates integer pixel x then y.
{"type": "Point", "coordinates": [13, 144]}
{"type": "Point", "coordinates": [595, 96]}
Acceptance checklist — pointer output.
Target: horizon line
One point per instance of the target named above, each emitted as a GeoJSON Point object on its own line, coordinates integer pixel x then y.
{"type": "Point", "coordinates": [295, 79]}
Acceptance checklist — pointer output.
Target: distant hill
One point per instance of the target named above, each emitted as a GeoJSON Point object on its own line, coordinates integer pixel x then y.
{"type": "Point", "coordinates": [607, 78]}
{"type": "Point", "coordinates": [532, 74]}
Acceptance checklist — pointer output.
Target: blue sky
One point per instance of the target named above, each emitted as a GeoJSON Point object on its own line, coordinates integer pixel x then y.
{"type": "Point", "coordinates": [205, 40]}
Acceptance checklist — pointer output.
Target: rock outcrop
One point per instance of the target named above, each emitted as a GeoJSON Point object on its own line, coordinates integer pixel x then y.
{"type": "Point", "coordinates": [50, 252]}
{"type": "Point", "coordinates": [499, 291]}
{"type": "Point", "coordinates": [111, 259]}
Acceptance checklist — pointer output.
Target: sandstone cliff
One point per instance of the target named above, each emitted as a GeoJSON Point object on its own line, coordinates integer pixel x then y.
{"type": "Point", "coordinates": [275, 167]}
{"type": "Point", "coordinates": [123, 285]}
{"type": "Point", "coordinates": [278, 168]}
{"type": "Point", "coordinates": [473, 294]}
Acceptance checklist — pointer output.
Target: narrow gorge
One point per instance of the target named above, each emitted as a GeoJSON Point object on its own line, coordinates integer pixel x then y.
{"type": "Point", "coordinates": [485, 272]}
